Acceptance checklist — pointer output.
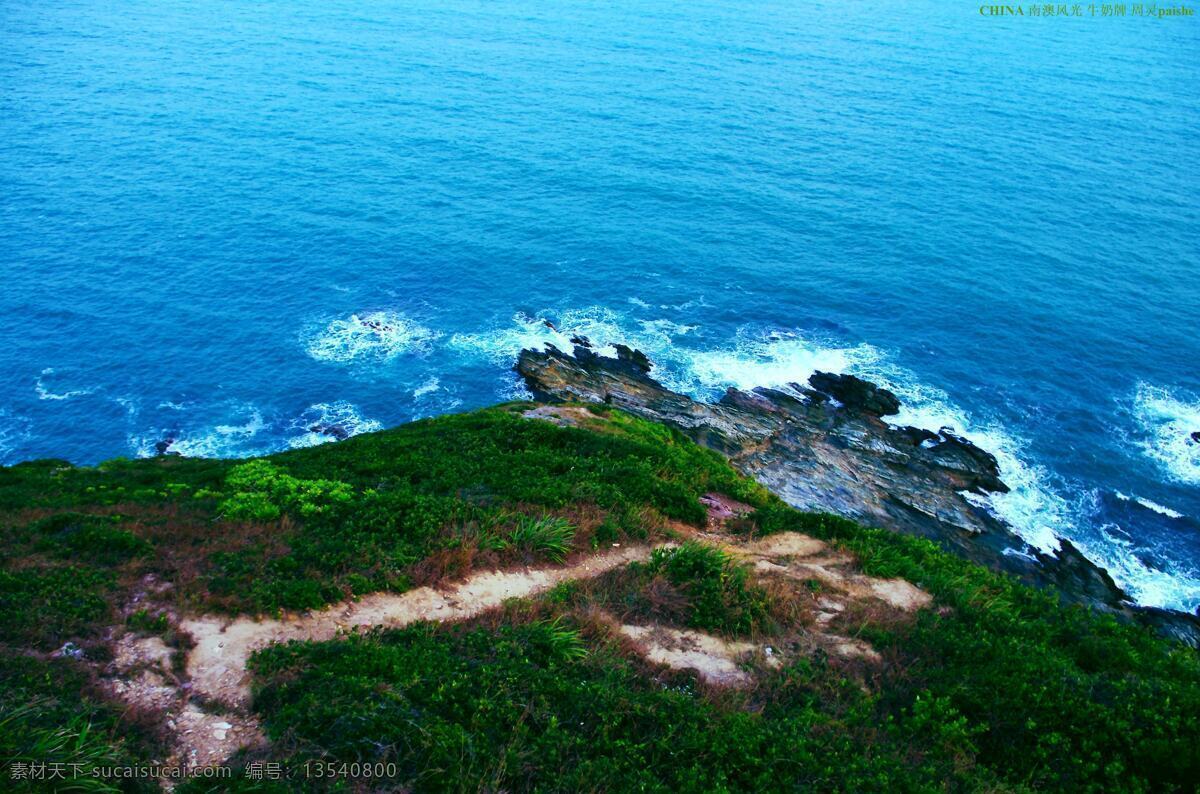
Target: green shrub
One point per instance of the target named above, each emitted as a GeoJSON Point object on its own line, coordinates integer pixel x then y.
{"type": "Point", "coordinates": [148, 623]}
{"type": "Point", "coordinates": [260, 485]}
{"type": "Point", "coordinates": [44, 607]}
{"type": "Point", "coordinates": [250, 506]}
{"type": "Point", "coordinates": [1051, 696]}
{"type": "Point", "coordinates": [719, 594]}
{"type": "Point", "coordinates": [996, 688]}
{"type": "Point", "coordinates": [92, 538]}
{"type": "Point", "coordinates": [45, 718]}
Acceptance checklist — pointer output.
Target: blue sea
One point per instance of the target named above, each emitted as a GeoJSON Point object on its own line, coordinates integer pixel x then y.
{"type": "Point", "coordinates": [223, 224]}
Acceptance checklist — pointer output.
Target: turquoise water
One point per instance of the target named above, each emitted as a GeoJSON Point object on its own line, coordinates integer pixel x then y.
{"type": "Point", "coordinates": [201, 205]}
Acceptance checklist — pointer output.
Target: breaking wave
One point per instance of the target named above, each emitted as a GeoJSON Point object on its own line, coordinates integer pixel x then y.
{"type": "Point", "coordinates": [236, 437]}
{"type": "Point", "coordinates": [1166, 421]}
{"type": "Point", "coordinates": [325, 422]}
{"type": "Point", "coordinates": [378, 336]}
{"type": "Point", "coordinates": [1153, 506]}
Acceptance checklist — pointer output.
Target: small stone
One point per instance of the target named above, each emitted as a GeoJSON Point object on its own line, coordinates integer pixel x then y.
{"type": "Point", "coordinates": [219, 735]}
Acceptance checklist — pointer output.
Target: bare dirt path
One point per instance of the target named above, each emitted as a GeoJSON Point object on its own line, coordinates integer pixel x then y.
{"type": "Point", "coordinates": [206, 694]}
{"type": "Point", "coordinates": [207, 708]}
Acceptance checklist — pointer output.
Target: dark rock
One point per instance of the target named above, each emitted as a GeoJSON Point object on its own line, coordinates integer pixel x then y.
{"type": "Point", "coordinates": [334, 431]}
{"type": "Point", "coordinates": [164, 447]}
{"type": "Point", "coordinates": [856, 394]}
{"type": "Point", "coordinates": [846, 461]}
{"type": "Point", "coordinates": [635, 359]}
{"type": "Point", "coordinates": [920, 435]}
{"type": "Point", "coordinates": [1086, 582]}
{"type": "Point", "coordinates": [581, 341]}
{"type": "Point", "coordinates": [1196, 436]}
{"type": "Point", "coordinates": [977, 465]}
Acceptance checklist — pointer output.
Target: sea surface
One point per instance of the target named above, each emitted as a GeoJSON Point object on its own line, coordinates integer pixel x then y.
{"type": "Point", "coordinates": [225, 224]}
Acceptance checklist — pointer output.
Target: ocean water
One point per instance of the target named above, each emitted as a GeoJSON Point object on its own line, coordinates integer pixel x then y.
{"type": "Point", "coordinates": [228, 223]}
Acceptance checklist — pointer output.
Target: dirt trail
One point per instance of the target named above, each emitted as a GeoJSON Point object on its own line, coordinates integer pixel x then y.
{"type": "Point", "coordinates": [788, 555]}
{"type": "Point", "coordinates": [712, 658]}
{"type": "Point", "coordinates": [217, 663]}
{"type": "Point", "coordinates": [206, 695]}
{"type": "Point", "coordinates": [207, 708]}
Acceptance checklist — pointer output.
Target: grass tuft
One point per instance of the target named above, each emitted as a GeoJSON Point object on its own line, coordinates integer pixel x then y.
{"type": "Point", "coordinates": [547, 536]}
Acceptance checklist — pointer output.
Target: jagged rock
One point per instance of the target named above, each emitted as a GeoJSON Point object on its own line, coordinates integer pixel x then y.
{"type": "Point", "coordinates": [842, 458]}
{"type": "Point", "coordinates": [856, 394]}
{"type": "Point", "coordinates": [1196, 436]}
{"type": "Point", "coordinates": [956, 452]}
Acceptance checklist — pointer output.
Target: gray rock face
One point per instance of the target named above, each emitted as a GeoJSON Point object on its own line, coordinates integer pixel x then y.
{"type": "Point", "coordinates": [824, 447]}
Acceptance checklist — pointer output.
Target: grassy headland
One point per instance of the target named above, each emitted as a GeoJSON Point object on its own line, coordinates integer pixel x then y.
{"type": "Point", "coordinates": [993, 686]}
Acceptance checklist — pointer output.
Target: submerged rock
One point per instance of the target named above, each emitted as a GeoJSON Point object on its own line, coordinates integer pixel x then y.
{"type": "Point", "coordinates": [824, 447]}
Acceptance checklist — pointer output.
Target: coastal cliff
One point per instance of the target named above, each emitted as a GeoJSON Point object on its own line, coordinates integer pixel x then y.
{"type": "Point", "coordinates": [568, 596]}
{"type": "Point", "coordinates": [825, 446]}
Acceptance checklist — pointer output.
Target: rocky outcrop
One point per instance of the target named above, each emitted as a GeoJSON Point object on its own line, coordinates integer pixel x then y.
{"type": "Point", "coordinates": [824, 446]}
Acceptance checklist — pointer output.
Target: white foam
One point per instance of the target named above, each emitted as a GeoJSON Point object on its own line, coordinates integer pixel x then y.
{"type": "Point", "coordinates": [340, 414]}
{"type": "Point", "coordinates": [219, 441]}
{"type": "Point", "coordinates": [428, 387]}
{"type": "Point", "coordinates": [502, 345]}
{"type": "Point", "coordinates": [1160, 509]}
{"type": "Point", "coordinates": [1173, 587]}
{"type": "Point", "coordinates": [380, 336]}
{"type": "Point", "coordinates": [666, 328]}
{"type": "Point", "coordinates": [1166, 420]}
{"type": "Point", "coordinates": [44, 392]}
{"type": "Point", "coordinates": [1035, 508]}
{"type": "Point", "coordinates": [775, 359]}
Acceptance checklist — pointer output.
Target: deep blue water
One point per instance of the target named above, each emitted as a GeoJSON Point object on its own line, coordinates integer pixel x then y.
{"type": "Point", "coordinates": [201, 202]}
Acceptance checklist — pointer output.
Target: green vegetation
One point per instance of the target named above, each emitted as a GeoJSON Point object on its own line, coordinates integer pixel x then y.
{"type": "Point", "coordinates": [996, 687]}
{"type": "Point", "coordinates": [518, 708]}
{"type": "Point", "coordinates": [382, 511]}
{"type": "Point", "coordinates": [49, 716]}
{"type": "Point", "coordinates": [1053, 696]}
{"type": "Point", "coordinates": [697, 586]}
